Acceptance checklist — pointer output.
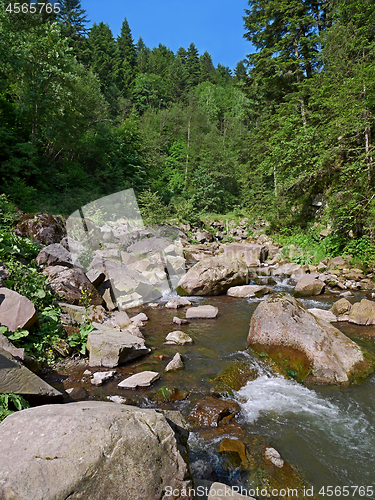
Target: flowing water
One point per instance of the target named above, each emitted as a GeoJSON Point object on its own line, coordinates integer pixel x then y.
{"type": "Point", "coordinates": [328, 432]}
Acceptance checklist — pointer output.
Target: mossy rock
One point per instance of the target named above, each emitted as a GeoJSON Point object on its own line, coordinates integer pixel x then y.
{"type": "Point", "coordinates": [169, 394]}
{"type": "Point", "coordinates": [236, 376]}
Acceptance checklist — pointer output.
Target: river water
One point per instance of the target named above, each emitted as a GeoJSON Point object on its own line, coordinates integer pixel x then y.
{"type": "Point", "coordinates": [328, 432]}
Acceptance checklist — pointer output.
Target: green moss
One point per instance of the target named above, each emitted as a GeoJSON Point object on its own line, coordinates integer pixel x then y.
{"type": "Point", "coordinates": [237, 375]}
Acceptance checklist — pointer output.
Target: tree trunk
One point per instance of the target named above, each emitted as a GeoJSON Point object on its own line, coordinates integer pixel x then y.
{"type": "Point", "coordinates": [187, 150]}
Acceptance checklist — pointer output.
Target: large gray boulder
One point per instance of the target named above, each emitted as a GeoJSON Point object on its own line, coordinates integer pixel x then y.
{"type": "Point", "coordinates": [282, 327]}
{"type": "Point", "coordinates": [362, 313]}
{"type": "Point", "coordinates": [251, 254]}
{"type": "Point", "coordinates": [16, 311]}
{"type": "Point", "coordinates": [92, 450]}
{"type": "Point", "coordinates": [249, 291]}
{"type": "Point", "coordinates": [309, 285]}
{"type": "Point", "coordinates": [111, 347]}
{"type": "Point", "coordinates": [213, 276]}
{"type": "Point", "coordinates": [16, 378]}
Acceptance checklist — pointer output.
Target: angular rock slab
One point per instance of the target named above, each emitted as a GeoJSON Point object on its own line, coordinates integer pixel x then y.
{"type": "Point", "coordinates": [111, 347]}
{"type": "Point", "coordinates": [92, 450]}
{"type": "Point", "coordinates": [248, 291]}
{"type": "Point", "coordinates": [323, 314]}
{"type": "Point", "coordinates": [179, 338]}
{"type": "Point", "coordinates": [53, 255]}
{"type": "Point", "coordinates": [142, 379]}
{"type": "Point", "coordinates": [176, 303]}
{"type": "Point", "coordinates": [70, 283]}
{"type": "Point", "coordinates": [202, 312]}
{"type": "Point", "coordinates": [213, 276]}
{"type": "Point", "coordinates": [16, 310]}
{"type": "Point", "coordinates": [282, 323]}
{"type": "Point", "coordinates": [175, 364]}
{"type": "Point", "coordinates": [16, 378]}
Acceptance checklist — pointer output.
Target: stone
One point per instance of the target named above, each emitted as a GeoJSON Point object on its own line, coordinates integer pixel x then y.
{"type": "Point", "coordinates": [180, 321]}
{"type": "Point", "coordinates": [170, 394]}
{"type": "Point", "coordinates": [92, 450]}
{"type": "Point", "coordinates": [142, 379]}
{"type": "Point", "coordinates": [323, 314]}
{"type": "Point", "coordinates": [234, 446]}
{"type": "Point", "coordinates": [96, 276]}
{"type": "Point", "coordinates": [176, 303]}
{"type": "Point", "coordinates": [54, 255]}
{"type": "Point", "coordinates": [43, 228]}
{"type": "Point", "coordinates": [308, 285]}
{"type": "Point", "coordinates": [118, 399]}
{"type": "Point", "coordinates": [175, 364]}
{"type": "Point", "coordinates": [248, 291]}
{"type": "Point", "coordinates": [362, 313]}
{"type": "Point", "coordinates": [274, 457]}
{"type": "Point", "coordinates": [16, 378]}
{"type": "Point", "coordinates": [76, 393]}
{"type": "Point", "coordinates": [99, 378]}
{"type": "Point", "coordinates": [338, 262]}
{"type": "Point", "coordinates": [220, 491]}
{"type": "Point", "coordinates": [287, 269]}
{"type": "Point", "coordinates": [237, 375]}
{"type": "Point", "coordinates": [203, 236]}
{"type": "Point", "coordinates": [250, 254]}
{"type": "Point", "coordinates": [118, 319]}
{"type": "Point", "coordinates": [213, 276]}
{"type": "Point", "coordinates": [16, 311]}
{"type": "Point", "coordinates": [313, 349]}
{"type": "Point", "coordinates": [139, 317]}
{"type": "Point", "coordinates": [70, 285]}
{"type": "Point", "coordinates": [342, 306]}
{"type": "Point", "coordinates": [6, 345]}
{"type": "Point", "coordinates": [210, 412]}
{"type": "Point", "coordinates": [104, 289]}
{"type": "Point", "coordinates": [202, 312]}
{"type": "Point", "coordinates": [111, 347]}
{"type": "Point", "coordinates": [179, 338]}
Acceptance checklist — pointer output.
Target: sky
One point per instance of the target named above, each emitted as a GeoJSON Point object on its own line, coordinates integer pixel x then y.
{"type": "Point", "coordinates": [213, 26]}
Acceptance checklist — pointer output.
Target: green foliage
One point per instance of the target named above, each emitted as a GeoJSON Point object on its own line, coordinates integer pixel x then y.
{"type": "Point", "coordinates": [153, 211]}
{"type": "Point", "coordinates": [9, 401]}
{"type": "Point", "coordinates": [8, 215]}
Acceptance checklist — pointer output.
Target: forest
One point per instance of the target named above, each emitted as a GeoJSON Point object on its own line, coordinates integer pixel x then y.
{"type": "Point", "coordinates": [84, 114]}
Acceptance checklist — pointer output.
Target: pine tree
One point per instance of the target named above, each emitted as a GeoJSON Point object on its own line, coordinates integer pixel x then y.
{"type": "Point", "coordinates": [193, 66]}
{"type": "Point", "coordinates": [127, 56]}
{"type": "Point", "coordinates": [207, 69]}
{"type": "Point", "coordinates": [73, 18]}
{"type": "Point", "coordinates": [142, 53]}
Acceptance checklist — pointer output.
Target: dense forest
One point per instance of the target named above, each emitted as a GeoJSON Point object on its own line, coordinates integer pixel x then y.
{"type": "Point", "coordinates": [84, 114]}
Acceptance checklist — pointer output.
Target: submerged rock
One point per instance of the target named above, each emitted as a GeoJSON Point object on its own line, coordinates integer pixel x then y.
{"type": "Point", "coordinates": [175, 364]}
{"type": "Point", "coordinates": [92, 450]}
{"type": "Point", "coordinates": [304, 346]}
{"type": "Point", "coordinates": [211, 412]}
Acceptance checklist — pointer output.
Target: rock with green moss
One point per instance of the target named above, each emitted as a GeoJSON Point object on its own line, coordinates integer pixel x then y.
{"type": "Point", "coordinates": [235, 377]}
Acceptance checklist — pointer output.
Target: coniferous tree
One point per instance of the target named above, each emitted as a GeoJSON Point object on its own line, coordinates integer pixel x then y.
{"type": "Point", "coordinates": [193, 67]}
{"type": "Point", "coordinates": [142, 53]}
{"type": "Point", "coordinates": [207, 69]}
{"type": "Point", "coordinates": [127, 56]}
{"type": "Point", "coordinates": [73, 19]}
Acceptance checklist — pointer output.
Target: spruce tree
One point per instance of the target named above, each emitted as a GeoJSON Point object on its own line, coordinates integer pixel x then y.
{"type": "Point", "coordinates": [73, 18]}
{"type": "Point", "coordinates": [127, 56]}
{"type": "Point", "coordinates": [193, 66]}
{"type": "Point", "coordinates": [207, 69]}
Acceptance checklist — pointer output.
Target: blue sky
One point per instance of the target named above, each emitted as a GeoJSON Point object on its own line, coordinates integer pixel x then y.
{"type": "Point", "coordinates": [215, 26]}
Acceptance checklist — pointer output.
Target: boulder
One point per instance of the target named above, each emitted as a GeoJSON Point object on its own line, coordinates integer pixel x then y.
{"type": "Point", "coordinates": [248, 291]}
{"type": "Point", "coordinates": [100, 377]}
{"type": "Point", "coordinates": [175, 364]}
{"type": "Point", "coordinates": [323, 314]}
{"type": "Point", "coordinates": [43, 228]}
{"type": "Point", "coordinates": [70, 284]}
{"type": "Point", "coordinates": [111, 347]}
{"type": "Point", "coordinates": [251, 254]}
{"type": "Point", "coordinates": [92, 450]}
{"type": "Point", "coordinates": [142, 379]}
{"type": "Point", "coordinates": [308, 285]}
{"type": "Point", "coordinates": [54, 255]}
{"type": "Point", "coordinates": [176, 303]}
{"type": "Point", "coordinates": [337, 262]}
{"type": "Point", "coordinates": [16, 378]}
{"type": "Point", "coordinates": [220, 491]}
{"type": "Point", "coordinates": [139, 317]}
{"type": "Point", "coordinates": [179, 338]}
{"type": "Point", "coordinates": [362, 313]}
{"type": "Point", "coordinates": [16, 311]}
{"type": "Point", "coordinates": [342, 306]}
{"type": "Point", "coordinates": [96, 276]}
{"type": "Point", "coordinates": [304, 346]}
{"type": "Point", "coordinates": [118, 319]}
{"type": "Point", "coordinates": [203, 236]}
{"type": "Point", "coordinates": [202, 312]}
{"type": "Point", "coordinates": [7, 345]}
{"type": "Point", "coordinates": [213, 276]}
{"type": "Point", "coordinates": [287, 269]}
{"type": "Point", "coordinates": [211, 412]}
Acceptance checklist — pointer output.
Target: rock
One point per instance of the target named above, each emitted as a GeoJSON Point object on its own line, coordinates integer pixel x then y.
{"type": "Point", "coordinates": [303, 345]}
{"type": "Point", "coordinates": [104, 289]}
{"type": "Point", "coordinates": [203, 236]}
{"type": "Point", "coordinates": [211, 412]}
{"type": "Point", "coordinates": [338, 262]}
{"type": "Point", "coordinates": [43, 228]}
{"type": "Point", "coordinates": [220, 491]}
{"type": "Point", "coordinates": [180, 321]}
{"type": "Point", "coordinates": [111, 347]}
{"type": "Point", "coordinates": [16, 311]}
{"type": "Point", "coordinates": [87, 372]}
{"type": "Point", "coordinates": [175, 364]}
{"type": "Point", "coordinates": [142, 379]}
{"type": "Point", "coordinates": [234, 446]}
{"type": "Point", "coordinates": [213, 276]}
{"type": "Point", "coordinates": [237, 375]}
{"type": "Point", "coordinates": [342, 306]}
{"type": "Point", "coordinates": [251, 254]}
{"type": "Point", "coordinates": [92, 450]}
{"type": "Point", "coordinates": [100, 377]}
{"type": "Point", "coordinates": [118, 399]}
{"type": "Point", "coordinates": [201, 469]}
{"type": "Point", "coordinates": [169, 394]}
{"type": "Point", "coordinates": [176, 303]}
{"type": "Point", "coordinates": [139, 317]}
{"type": "Point", "coordinates": [16, 378]}
{"type": "Point", "coordinates": [76, 393]}
{"type": "Point", "coordinates": [54, 255]}
{"type": "Point", "coordinates": [248, 291]}
{"type": "Point", "coordinates": [202, 312]}
{"type": "Point", "coordinates": [346, 294]}
{"type": "Point", "coordinates": [96, 276]}
{"type": "Point", "coordinates": [323, 314]}
{"type": "Point", "coordinates": [7, 345]}
{"type": "Point", "coordinates": [179, 338]}
{"type": "Point", "coordinates": [71, 283]}
{"type": "Point", "coordinates": [118, 319]}
{"type": "Point", "coordinates": [274, 457]}
{"type": "Point", "coordinates": [287, 269]}
{"type": "Point", "coordinates": [308, 286]}
{"type": "Point", "coordinates": [362, 313]}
